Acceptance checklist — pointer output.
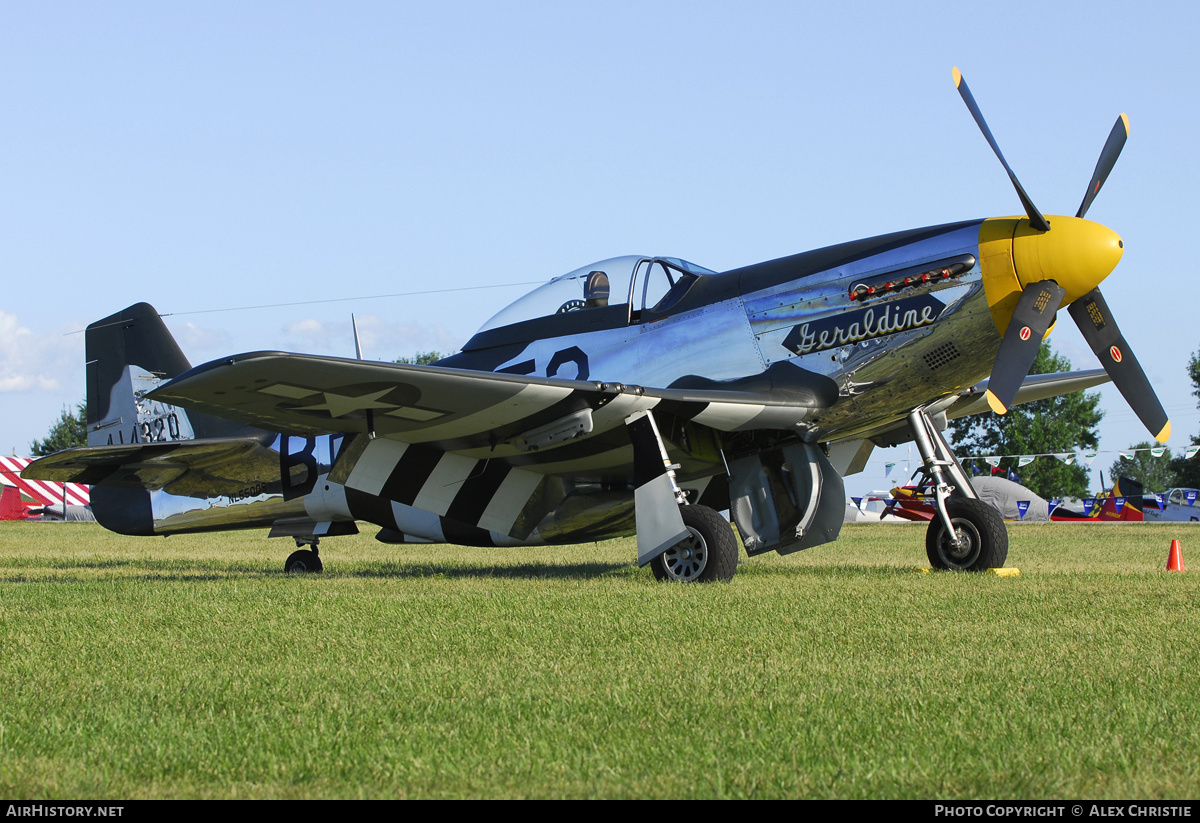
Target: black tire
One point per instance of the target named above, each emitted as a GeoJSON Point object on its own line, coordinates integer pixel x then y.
{"type": "Point", "coordinates": [982, 527]}
{"type": "Point", "coordinates": [303, 561]}
{"type": "Point", "coordinates": [709, 554]}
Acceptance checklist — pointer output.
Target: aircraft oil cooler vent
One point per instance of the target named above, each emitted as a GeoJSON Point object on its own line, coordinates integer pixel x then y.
{"type": "Point", "coordinates": [943, 354]}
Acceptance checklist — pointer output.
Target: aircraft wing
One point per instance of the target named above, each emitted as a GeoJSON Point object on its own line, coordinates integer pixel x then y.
{"type": "Point", "coordinates": [974, 401]}
{"type": "Point", "coordinates": [457, 410]}
{"type": "Point", "coordinates": [1034, 387]}
{"type": "Point", "coordinates": [188, 468]}
{"type": "Point", "coordinates": [479, 448]}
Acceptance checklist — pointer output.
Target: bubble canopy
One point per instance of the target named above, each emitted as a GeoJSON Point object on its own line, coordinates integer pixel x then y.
{"type": "Point", "coordinates": [641, 282]}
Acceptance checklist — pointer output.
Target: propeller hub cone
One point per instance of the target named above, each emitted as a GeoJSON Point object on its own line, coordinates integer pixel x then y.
{"type": "Point", "coordinates": [1076, 253]}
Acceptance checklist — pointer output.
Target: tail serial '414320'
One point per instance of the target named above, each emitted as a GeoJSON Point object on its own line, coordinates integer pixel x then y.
{"type": "Point", "coordinates": [637, 394]}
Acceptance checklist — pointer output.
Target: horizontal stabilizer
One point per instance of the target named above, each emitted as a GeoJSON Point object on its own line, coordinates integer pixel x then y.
{"type": "Point", "coordinates": [241, 467]}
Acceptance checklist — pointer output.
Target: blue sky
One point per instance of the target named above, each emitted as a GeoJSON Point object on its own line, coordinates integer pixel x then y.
{"type": "Point", "coordinates": [217, 155]}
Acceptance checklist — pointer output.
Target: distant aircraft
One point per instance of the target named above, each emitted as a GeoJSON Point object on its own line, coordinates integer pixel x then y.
{"type": "Point", "coordinates": [638, 394]}
{"type": "Point", "coordinates": [1174, 506]}
{"type": "Point", "coordinates": [1015, 502]}
{"type": "Point", "coordinates": [1122, 505]}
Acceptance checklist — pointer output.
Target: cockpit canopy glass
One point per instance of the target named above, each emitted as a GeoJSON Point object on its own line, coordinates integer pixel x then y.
{"type": "Point", "coordinates": [646, 282]}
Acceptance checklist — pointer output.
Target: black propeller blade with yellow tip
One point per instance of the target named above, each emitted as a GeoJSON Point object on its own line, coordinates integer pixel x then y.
{"type": "Point", "coordinates": [1093, 318]}
{"type": "Point", "coordinates": [1035, 217]}
{"type": "Point", "coordinates": [1030, 271]}
{"type": "Point", "coordinates": [1108, 159]}
{"type": "Point", "coordinates": [1030, 322]}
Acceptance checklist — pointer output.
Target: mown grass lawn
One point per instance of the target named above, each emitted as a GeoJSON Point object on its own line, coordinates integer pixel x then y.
{"type": "Point", "coordinates": [193, 667]}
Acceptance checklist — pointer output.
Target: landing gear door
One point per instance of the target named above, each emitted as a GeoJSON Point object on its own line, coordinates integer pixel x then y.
{"type": "Point", "coordinates": [787, 499]}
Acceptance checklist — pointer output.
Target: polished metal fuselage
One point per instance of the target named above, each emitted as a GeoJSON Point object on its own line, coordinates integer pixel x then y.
{"type": "Point", "coordinates": [890, 361]}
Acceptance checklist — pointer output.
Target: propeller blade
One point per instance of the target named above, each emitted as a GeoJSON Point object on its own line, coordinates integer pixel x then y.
{"type": "Point", "coordinates": [1033, 317]}
{"type": "Point", "coordinates": [1099, 328]}
{"type": "Point", "coordinates": [1108, 159]}
{"type": "Point", "coordinates": [1035, 217]}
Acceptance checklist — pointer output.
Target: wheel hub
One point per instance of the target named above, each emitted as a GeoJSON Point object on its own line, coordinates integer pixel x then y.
{"type": "Point", "coordinates": [686, 560]}
{"type": "Point", "coordinates": [961, 547]}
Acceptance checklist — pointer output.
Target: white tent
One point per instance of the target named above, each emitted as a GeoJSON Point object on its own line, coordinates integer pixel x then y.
{"type": "Point", "coordinates": [1005, 495]}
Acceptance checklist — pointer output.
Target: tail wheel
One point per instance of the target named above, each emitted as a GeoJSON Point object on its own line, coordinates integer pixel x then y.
{"type": "Point", "coordinates": [709, 552]}
{"type": "Point", "coordinates": [302, 561]}
{"type": "Point", "coordinates": [982, 538]}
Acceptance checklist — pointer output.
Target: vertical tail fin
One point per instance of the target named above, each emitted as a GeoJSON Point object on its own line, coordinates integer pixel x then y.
{"type": "Point", "coordinates": [128, 354]}
{"type": "Point", "coordinates": [1129, 492]}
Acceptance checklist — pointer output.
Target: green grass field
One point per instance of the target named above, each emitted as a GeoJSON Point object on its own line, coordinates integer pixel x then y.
{"type": "Point", "coordinates": [193, 667]}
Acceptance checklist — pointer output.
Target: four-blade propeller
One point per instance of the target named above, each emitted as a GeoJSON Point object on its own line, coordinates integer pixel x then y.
{"type": "Point", "coordinates": [1042, 269]}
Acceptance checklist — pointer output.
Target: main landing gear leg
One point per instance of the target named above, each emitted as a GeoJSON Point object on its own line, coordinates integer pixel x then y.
{"type": "Point", "coordinates": [679, 542]}
{"type": "Point", "coordinates": [967, 534]}
{"type": "Point", "coordinates": [304, 560]}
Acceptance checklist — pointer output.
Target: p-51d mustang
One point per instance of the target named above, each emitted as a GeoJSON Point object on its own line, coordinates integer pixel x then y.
{"type": "Point", "coordinates": [637, 394]}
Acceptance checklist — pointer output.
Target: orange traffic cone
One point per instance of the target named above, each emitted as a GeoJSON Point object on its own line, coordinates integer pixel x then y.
{"type": "Point", "coordinates": [1175, 558]}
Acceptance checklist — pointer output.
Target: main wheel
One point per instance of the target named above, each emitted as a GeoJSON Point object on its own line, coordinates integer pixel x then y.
{"type": "Point", "coordinates": [982, 537]}
{"type": "Point", "coordinates": [302, 561]}
{"type": "Point", "coordinates": [708, 553]}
